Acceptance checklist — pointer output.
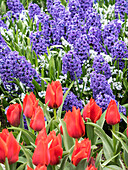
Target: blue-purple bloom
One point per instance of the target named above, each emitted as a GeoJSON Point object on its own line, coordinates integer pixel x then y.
{"type": "Point", "coordinates": [34, 9]}
{"type": "Point", "coordinates": [15, 5]}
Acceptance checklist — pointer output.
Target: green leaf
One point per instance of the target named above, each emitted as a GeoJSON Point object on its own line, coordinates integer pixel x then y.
{"type": "Point", "coordinates": [112, 167]}
{"type": "Point", "coordinates": [3, 7]}
{"type": "Point", "coordinates": [1, 167]}
{"type": "Point", "coordinates": [18, 136]}
{"type": "Point", "coordinates": [52, 69]}
{"type": "Point", "coordinates": [107, 142]}
{"type": "Point", "coordinates": [65, 95]}
{"type": "Point", "coordinates": [123, 117]}
{"type": "Point", "coordinates": [98, 158]}
{"type": "Point", "coordinates": [109, 160]}
{"type": "Point", "coordinates": [22, 160]}
{"type": "Point", "coordinates": [22, 167]}
{"type": "Point", "coordinates": [126, 158]}
{"type": "Point", "coordinates": [70, 166]}
{"type": "Point", "coordinates": [37, 86]}
{"type": "Point", "coordinates": [68, 141]}
{"type": "Point", "coordinates": [7, 164]}
{"type": "Point", "coordinates": [82, 164]}
{"type": "Point", "coordinates": [64, 160]}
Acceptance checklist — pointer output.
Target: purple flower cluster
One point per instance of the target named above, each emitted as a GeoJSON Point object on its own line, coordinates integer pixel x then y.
{"type": "Point", "coordinates": [100, 84]}
{"type": "Point", "coordinates": [103, 101]}
{"type": "Point", "coordinates": [70, 101]}
{"type": "Point", "coordinates": [100, 66]}
{"type": "Point", "coordinates": [15, 66]}
{"type": "Point", "coordinates": [34, 9]}
{"type": "Point", "coordinates": [121, 7]}
{"type": "Point", "coordinates": [15, 5]}
{"type": "Point", "coordinates": [81, 48]}
{"type": "Point", "coordinates": [71, 64]}
{"type": "Point", "coordinates": [119, 52]}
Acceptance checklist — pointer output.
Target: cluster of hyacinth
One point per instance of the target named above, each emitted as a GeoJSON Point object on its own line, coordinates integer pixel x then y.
{"type": "Point", "coordinates": [101, 66]}
{"type": "Point", "coordinates": [70, 101]}
{"type": "Point", "coordinates": [110, 35]}
{"type": "Point", "coordinates": [15, 66]}
{"type": "Point", "coordinates": [120, 53]}
{"type": "Point", "coordinates": [121, 7]}
{"type": "Point", "coordinates": [72, 64]}
{"type": "Point", "coordinates": [15, 6]}
{"type": "Point", "coordinates": [102, 92]}
{"type": "Point", "coordinates": [33, 9]}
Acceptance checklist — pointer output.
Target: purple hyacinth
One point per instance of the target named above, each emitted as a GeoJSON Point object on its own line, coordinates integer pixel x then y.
{"type": "Point", "coordinates": [34, 9]}
{"type": "Point", "coordinates": [100, 66]}
{"type": "Point", "coordinates": [119, 52]}
{"type": "Point", "coordinates": [81, 47]}
{"type": "Point", "coordinates": [100, 84]}
{"type": "Point", "coordinates": [71, 64]}
{"type": "Point", "coordinates": [121, 7]}
{"type": "Point", "coordinates": [70, 101]}
{"type": "Point", "coordinates": [103, 101]}
{"type": "Point", "coordinates": [86, 4]}
{"type": "Point", "coordinates": [15, 5]}
{"type": "Point", "coordinates": [15, 66]}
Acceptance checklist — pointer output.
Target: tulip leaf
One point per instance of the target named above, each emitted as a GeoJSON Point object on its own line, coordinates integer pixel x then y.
{"type": "Point", "coordinates": [1, 167]}
{"type": "Point", "coordinates": [82, 164]}
{"type": "Point", "coordinates": [65, 95]}
{"type": "Point", "coordinates": [98, 158]}
{"type": "Point", "coordinates": [68, 141]}
{"type": "Point", "coordinates": [126, 158]}
{"type": "Point", "coordinates": [49, 167]}
{"type": "Point", "coordinates": [69, 166]}
{"type": "Point", "coordinates": [109, 160]}
{"type": "Point", "coordinates": [22, 160]}
{"type": "Point", "coordinates": [22, 166]}
{"type": "Point", "coordinates": [18, 136]}
{"type": "Point", "coordinates": [30, 137]}
{"type": "Point", "coordinates": [7, 164]}
{"type": "Point", "coordinates": [46, 113]}
{"type": "Point", "coordinates": [112, 167]}
{"type": "Point", "coordinates": [64, 162]}
{"type": "Point", "coordinates": [107, 144]}
{"type": "Point", "coordinates": [123, 117]}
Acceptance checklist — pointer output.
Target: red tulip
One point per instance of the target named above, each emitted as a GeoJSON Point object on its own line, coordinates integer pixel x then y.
{"type": "Point", "coordinates": [29, 104]}
{"type": "Point", "coordinates": [92, 111]}
{"type": "Point", "coordinates": [91, 168]}
{"type": "Point", "coordinates": [74, 123]}
{"type": "Point", "coordinates": [9, 147]}
{"type": "Point", "coordinates": [55, 147]}
{"type": "Point", "coordinates": [112, 114]}
{"type": "Point", "coordinates": [42, 134]}
{"type": "Point", "coordinates": [81, 150]}
{"type": "Point", "coordinates": [3, 150]}
{"type": "Point", "coordinates": [39, 167]}
{"type": "Point", "coordinates": [13, 114]}
{"type": "Point", "coordinates": [37, 121]}
{"type": "Point", "coordinates": [54, 94]}
{"type": "Point", "coordinates": [41, 154]}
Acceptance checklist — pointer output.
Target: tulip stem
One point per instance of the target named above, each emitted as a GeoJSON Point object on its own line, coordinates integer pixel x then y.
{"type": "Point", "coordinates": [53, 167]}
{"type": "Point", "coordinates": [54, 109]}
{"type": "Point", "coordinates": [114, 139]}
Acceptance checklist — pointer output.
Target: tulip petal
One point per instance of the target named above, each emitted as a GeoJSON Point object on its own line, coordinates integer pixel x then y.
{"type": "Point", "coordinates": [3, 150]}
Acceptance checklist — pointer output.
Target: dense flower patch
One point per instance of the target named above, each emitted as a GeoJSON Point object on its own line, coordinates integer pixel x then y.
{"type": "Point", "coordinates": [64, 84]}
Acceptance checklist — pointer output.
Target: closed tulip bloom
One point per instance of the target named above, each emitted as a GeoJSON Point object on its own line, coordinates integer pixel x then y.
{"type": "Point", "coordinates": [4, 134]}
{"type": "Point", "coordinates": [13, 114]}
{"type": "Point", "coordinates": [112, 114]}
{"type": "Point", "coordinates": [42, 134]}
{"type": "Point", "coordinates": [13, 149]}
{"type": "Point", "coordinates": [91, 167]}
{"type": "Point", "coordinates": [39, 167]}
{"type": "Point", "coordinates": [37, 122]}
{"type": "Point", "coordinates": [55, 148]}
{"type": "Point", "coordinates": [29, 104]}
{"type": "Point", "coordinates": [81, 150]}
{"type": "Point", "coordinates": [74, 123]}
{"type": "Point", "coordinates": [41, 154]}
{"type": "Point", "coordinates": [3, 150]}
{"type": "Point", "coordinates": [92, 111]}
{"type": "Point", "coordinates": [54, 94]}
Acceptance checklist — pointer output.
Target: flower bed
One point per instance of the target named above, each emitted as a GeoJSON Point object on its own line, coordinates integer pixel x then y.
{"type": "Point", "coordinates": [64, 85]}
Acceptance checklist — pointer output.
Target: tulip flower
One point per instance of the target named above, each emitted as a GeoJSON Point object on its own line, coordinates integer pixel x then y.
{"type": "Point", "coordinates": [81, 150]}
{"type": "Point", "coordinates": [37, 121]}
{"type": "Point", "coordinates": [13, 114]}
{"type": "Point", "coordinates": [29, 104]}
{"type": "Point", "coordinates": [39, 167]}
{"type": "Point", "coordinates": [92, 111]}
{"type": "Point", "coordinates": [41, 154]}
{"type": "Point", "coordinates": [9, 147]}
{"type": "Point", "coordinates": [55, 147]}
{"type": "Point", "coordinates": [91, 168]}
{"type": "Point", "coordinates": [42, 134]}
{"type": "Point", "coordinates": [74, 123]}
{"type": "Point", "coordinates": [54, 94]}
{"type": "Point", "coordinates": [112, 114]}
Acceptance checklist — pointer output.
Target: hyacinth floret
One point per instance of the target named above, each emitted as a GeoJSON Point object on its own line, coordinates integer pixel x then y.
{"type": "Point", "coordinates": [86, 4]}
{"type": "Point", "coordinates": [34, 9]}
{"type": "Point", "coordinates": [71, 64]}
{"type": "Point", "coordinates": [100, 66]}
{"type": "Point", "coordinates": [15, 66]}
{"type": "Point", "coordinates": [81, 47]}
{"type": "Point", "coordinates": [100, 84]}
{"type": "Point", "coordinates": [15, 5]}
{"type": "Point", "coordinates": [70, 101]}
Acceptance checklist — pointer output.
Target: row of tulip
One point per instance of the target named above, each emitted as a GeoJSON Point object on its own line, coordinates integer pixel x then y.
{"type": "Point", "coordinates": [67, 144]}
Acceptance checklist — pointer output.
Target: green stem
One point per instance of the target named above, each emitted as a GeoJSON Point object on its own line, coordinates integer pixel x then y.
{"type": "Point", "coordinates": [53, 167]}
{"type": "Point", "coordinates": [114, 139]}
{"type": "Point", "coordinates": [54, 109]}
